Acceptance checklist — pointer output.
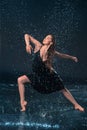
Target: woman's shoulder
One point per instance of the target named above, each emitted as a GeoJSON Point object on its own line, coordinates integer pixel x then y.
{"type": "Point", "coordinates": [37, 48]}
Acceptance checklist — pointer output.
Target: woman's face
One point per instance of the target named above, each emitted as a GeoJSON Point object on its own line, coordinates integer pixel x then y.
{"type": "Point", "coordinates": [47, 40]}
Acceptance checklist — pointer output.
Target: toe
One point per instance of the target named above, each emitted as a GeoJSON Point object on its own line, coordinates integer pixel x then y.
{"type": "Point", "coordinates": [23, 109]}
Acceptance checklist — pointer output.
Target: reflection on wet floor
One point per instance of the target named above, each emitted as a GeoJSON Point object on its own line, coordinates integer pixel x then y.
{"type": "Point", "coordinates": [50, 111]}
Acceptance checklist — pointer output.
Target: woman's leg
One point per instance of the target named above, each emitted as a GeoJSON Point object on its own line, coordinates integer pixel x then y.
{"type": "Point", "coordinates": [69, 96]}
{"type": "Point", "coordinates": [21, 80]}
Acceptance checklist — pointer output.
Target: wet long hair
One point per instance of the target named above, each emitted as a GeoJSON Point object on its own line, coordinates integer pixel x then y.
{"type": "Point", "coordinates": [51, 51]}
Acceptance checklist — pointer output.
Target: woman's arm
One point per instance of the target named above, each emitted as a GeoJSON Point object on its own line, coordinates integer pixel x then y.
{"type": "Point", "coordinates": [62, 55]}
{"type": "Point", "coordinates": [29, 39]}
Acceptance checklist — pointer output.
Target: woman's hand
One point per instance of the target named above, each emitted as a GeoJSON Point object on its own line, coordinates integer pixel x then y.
{"type": "Point", "coordinates": [75, 59]}
{"type": "Point", "coordinates": [29, 49]}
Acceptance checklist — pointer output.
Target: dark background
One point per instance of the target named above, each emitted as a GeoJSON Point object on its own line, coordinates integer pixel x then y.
{"type": "Point", "coordinates": [66, 20]}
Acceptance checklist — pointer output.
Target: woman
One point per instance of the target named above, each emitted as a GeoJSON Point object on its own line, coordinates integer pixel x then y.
{"type": "Point", "coordinates": [44, 78]}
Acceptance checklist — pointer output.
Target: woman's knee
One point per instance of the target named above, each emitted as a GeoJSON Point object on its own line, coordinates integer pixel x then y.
{"type": "Point", "coordinates": [19, 79]}
{"type": "Point", "coordinates": [23, 79]}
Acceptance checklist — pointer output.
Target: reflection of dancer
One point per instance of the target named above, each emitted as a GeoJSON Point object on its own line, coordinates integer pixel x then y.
{"type": "Point", "coordinates": [44, 78]}
{"type": "Point", "coordinates": [22, 121]}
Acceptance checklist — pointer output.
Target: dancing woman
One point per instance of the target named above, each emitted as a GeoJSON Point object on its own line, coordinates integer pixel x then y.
{"type": "Point", "coordinates": [44, 78]}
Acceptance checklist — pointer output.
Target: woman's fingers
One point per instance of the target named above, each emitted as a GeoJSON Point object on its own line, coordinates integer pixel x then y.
{"type": "Point", "coordinates": [75, 59]}
{"type": "Point", "coordinates": [29, 49]}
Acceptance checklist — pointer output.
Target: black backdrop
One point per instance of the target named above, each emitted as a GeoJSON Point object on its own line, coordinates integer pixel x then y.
{"type": "Point", "coordinates": [67, 20]}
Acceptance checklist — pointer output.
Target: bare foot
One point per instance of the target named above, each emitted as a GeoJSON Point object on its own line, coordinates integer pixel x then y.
{"type": "Point", "coordinates": [23, 105]}
{"type": "Point", "coordinates": [78, 107]}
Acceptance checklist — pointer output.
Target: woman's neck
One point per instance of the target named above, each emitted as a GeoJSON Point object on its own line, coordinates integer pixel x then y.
{"type": "Point", "coordinates": [46, 47]}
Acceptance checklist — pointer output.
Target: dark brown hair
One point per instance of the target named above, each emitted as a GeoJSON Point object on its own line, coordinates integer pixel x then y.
{"type": "Point", "coordinates": [51, 51]}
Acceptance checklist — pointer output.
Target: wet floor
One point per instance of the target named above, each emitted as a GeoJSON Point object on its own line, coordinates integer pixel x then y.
{"type": "Point", "coordinates": [44, 112]}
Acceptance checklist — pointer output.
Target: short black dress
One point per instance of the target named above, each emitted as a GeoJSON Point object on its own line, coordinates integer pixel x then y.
{"type": "Point", "coordinates": [42, 79]}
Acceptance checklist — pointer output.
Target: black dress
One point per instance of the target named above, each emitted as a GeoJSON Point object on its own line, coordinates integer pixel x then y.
{"type": "Point", "coordinates": [42, 79]}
